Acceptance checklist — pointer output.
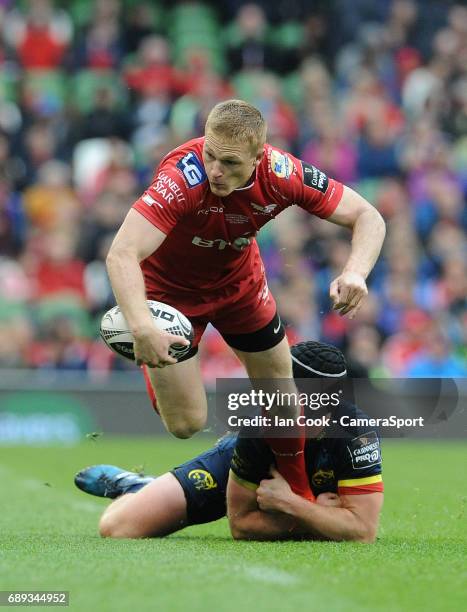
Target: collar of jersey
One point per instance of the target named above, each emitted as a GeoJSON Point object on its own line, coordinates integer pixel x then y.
{"type": "Point", "coordinates": [253, 179]}
{"type": "Point", "coordinates": [247, 187]}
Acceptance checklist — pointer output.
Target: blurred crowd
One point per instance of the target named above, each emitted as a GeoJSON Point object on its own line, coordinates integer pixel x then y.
{"type": "Point", "coordinates": [93, 93]}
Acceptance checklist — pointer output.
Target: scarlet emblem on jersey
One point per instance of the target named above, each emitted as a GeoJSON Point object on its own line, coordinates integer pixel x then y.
{"type": "Point", "coordinates": [192, 169]}
{"type": "Point", "coordinates": [281, 164]}
{"type": "Point", "coordinates": [314, 178]}
{"type": "Point", "coordinates": [265, 210]}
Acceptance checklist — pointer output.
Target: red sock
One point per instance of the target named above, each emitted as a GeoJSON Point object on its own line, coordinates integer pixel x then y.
{"type": "Point", "coordinates": [150, 388]}
{"type": "Point", "coordinates": [290, 460]}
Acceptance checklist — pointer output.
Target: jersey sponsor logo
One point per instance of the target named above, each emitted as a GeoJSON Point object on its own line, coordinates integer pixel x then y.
{"type": "Point", "coordinates": [314, 178]}
{"type": "Point", "coordinates": [218, 243]}
{"type": "Point", "coordinates": [281, 164]}
{"type": "Point", "coordinates": [263, 210]}
{"type": "Point", "coordinates": [364, 451]}
{"type": "Point", "coordinates": [192, 170]}
{"type": "Point", "coordinates": [322, 477]}
{"type": "Point", "coordinates": [211, 209]}
{"type": "Point", "coordinates": [202, 480]}
{"type": "Point", "coordinates": [239, 244]}
{"type": "Point", "coordinates": [167, 188]}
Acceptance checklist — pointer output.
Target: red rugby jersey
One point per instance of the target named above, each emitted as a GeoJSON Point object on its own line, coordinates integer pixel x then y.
{"type": "Point", "coordinates": [202, 229]}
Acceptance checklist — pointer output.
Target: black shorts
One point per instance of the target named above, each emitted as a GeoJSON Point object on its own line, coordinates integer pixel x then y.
{"type": "Point", "coordinates": [204, 482]}
{"type": "Point", "coordinates": [254, 342]}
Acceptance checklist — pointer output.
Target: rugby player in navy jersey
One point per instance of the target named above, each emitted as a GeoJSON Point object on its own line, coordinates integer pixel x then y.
{"type": "Point", "coordinates": [189, 241]}
{"type": "Point", "coordinates": [345, 480]}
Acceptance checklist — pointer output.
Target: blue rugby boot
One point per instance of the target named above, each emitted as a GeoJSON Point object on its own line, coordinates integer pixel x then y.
{"type": "Point", "coordinates": [109, 481]}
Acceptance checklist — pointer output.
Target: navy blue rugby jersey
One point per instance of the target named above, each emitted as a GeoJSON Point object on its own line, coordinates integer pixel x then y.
{"type": "Point", "coordinates": [345, 458]}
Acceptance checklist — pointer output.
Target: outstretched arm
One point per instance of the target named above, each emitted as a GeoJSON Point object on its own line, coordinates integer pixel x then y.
{"type": "Point", "coordinates": [368, 231]}
{"type": "Point", "coordinates": [136, 239]}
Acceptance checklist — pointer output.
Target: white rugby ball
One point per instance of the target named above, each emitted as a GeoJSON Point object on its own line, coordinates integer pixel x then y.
{"type": "Point", "coordinates": [116, 334]}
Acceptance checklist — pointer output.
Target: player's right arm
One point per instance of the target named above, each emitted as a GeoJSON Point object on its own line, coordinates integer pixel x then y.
{"type": "Point", "coordinates": [136, 239]}
{"type": "Point", "coordinates": [250, 463]}
{"type": "Point", "coordinates": [247, 521]}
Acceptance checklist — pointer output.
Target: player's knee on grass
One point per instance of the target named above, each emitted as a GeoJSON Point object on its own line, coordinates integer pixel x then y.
{"type": "Point", "coordinates": [110, 526]}
{"type": "Point", "coordinates": [120, 525]}
{"type": "Point", "coordinates": [158, 509]}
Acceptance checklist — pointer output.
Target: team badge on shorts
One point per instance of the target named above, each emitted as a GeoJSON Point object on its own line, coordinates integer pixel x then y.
{"type": "Point", "coordinates": [202, 480]}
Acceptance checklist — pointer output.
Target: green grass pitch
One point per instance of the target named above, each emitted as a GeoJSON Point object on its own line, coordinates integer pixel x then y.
{"type": "Point", "coordinates": [48, 540]}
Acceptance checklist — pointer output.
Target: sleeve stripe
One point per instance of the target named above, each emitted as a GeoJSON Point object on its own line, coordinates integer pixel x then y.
{"type": "Point", "coordinates": [377, 487]}
{"type": "Point", "coordinates": [244, 483]}
{"type": "Point", "coordinates": [358, 482]}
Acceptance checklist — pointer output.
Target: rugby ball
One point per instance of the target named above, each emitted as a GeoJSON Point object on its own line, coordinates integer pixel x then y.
{"type": "Point", "coordinates": [115, 332]}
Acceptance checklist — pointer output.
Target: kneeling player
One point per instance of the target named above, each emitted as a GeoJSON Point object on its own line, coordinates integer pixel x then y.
{"type": "Point", "coordinates": [260, 503]}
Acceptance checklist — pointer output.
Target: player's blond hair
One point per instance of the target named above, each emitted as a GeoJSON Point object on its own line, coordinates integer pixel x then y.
{"type": "Point", "coordinates": [238, 121]}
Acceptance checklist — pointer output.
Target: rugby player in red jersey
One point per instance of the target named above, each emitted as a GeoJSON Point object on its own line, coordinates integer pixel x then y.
{"type": "Point", "coordinates": [189, 241]}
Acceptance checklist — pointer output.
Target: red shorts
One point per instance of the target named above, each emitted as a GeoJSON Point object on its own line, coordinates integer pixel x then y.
{"type": "Point", "coordinates": [232, 310]}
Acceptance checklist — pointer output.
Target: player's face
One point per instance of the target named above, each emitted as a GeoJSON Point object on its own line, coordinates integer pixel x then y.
{"type": "Point", "coordinates": [229, 165]}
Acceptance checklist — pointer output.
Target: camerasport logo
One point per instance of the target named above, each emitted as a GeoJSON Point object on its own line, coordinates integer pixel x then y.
{"type": "Point", "coordinates": [364, 451]}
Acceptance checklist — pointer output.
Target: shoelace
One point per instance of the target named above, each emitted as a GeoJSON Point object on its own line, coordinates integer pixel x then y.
{"type": "Point", "coordinates": [112, 484]}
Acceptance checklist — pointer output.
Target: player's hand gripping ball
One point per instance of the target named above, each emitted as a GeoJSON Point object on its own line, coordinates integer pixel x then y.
{"type": "Point", "coordinates": [117, 335]}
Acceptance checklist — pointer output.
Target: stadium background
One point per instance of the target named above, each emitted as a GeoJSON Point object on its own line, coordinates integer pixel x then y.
{"type": "Point", "coordinates": [92, 94]}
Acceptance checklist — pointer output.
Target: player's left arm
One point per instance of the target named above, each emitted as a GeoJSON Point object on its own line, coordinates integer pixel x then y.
{"type": "Point", "coordinates": [310, 188]}
{"type": "Point", "coordinates": [355, 518]}
{"type": "Point", "coordinates": [368, 231]}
